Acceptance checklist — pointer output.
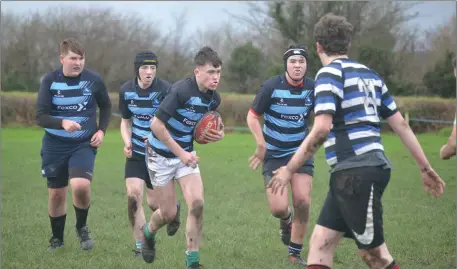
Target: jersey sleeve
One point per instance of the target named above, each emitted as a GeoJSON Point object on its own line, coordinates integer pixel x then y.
{"type": "Point", "coordinates": [262, 100]}
{"type": "Point", "coordinates": [44, 106]}
{"type": "Point", "coordinates": [388, 106]}
{"type": "Point", "coordinates": [328, 89]}
{"type": "Point", "coordinates": [123, 105]}
{"type": "Point", "coordinates": [104, 103]}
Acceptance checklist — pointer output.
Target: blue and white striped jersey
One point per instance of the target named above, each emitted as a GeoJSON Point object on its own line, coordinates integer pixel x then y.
{"type": "Point", "coordinates": [358, 98]}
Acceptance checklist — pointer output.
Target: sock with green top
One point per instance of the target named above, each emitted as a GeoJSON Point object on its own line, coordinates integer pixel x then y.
{"type": "Point", "coordinates": [192, 257]}
{"type": "Point", "coordinates": [148, 234]}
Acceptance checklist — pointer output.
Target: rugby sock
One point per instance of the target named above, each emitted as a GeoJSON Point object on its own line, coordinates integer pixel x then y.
{"type": "Point", "coordinates": [81, 216]}
{"type": "Point", "coordinates": [289, 217]}
{"type": "Point", "coordinates": [315, 266]}
{"type": "Point", "coordinates": [192, 257]}
{"type": "Point", "coordinates": [58, 226]}
{"type": "Point", "coordinates": [139, 244]}
{"type": "Point", "coordinates": [147, 233]}
{"type": "Point", "coordinates": [295, 248]}
{"type": "Point", "coordinates": [393, 265]}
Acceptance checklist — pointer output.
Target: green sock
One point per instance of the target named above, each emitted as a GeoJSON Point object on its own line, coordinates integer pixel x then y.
{"type": "Point", "coordinates": [192, 257]}
{"type": "Point", "coordinates": [147, 233]}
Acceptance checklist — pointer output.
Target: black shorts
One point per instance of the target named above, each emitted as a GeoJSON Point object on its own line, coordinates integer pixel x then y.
{"type": "Point", "coordinates": [136, 166]}
{"type": "Point", "coordinates": [353, 204]}
{"type": "Point", "coordinates": [271, 164]}
{"type": "Point", "coordinates": [63, 161]}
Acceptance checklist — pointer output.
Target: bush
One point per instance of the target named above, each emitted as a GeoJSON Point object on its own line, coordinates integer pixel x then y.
{"type": "Point", "coordinates": [19, 109]}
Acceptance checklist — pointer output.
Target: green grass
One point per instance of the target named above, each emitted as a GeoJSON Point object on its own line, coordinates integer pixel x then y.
{"type": "Point", "coordinates": [238, 229]}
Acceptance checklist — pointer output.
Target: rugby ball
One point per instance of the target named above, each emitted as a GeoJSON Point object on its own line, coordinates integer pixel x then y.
{"type": "Point", "coordinates": [210, 120]}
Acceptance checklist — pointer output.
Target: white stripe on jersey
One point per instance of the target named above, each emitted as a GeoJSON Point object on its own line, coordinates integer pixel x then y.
{"type": "Point", "coordinates": [328, 88]}
{"type": "Point", "coordinates": [331, 70]}
{"type": "Point", "coordinates": [362, 134]}
{"type": "Point", "coordinates": [374, 119]}
{"type": "Point", "coordinates": [332, 161]}
{"type": "Point", "coordinates": [369, 147]}
{"type": "Point", "coordinates": [357, 101]}
{"type": "Point", "coordinates": [324, 107]}
{"type": "Point", "coordinates": [329, 142]}
{"type": "Point", "coordinates": [392, 106]}
{"type": "Point", "coordinates": [353, 65]}
{"type": "Point", "coordinates": [355, 81]}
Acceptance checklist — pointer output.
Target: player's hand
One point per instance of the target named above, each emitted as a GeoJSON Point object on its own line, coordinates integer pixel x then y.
{"type": "Point", "coordinates": [70, 126]}
{"type": "Point", "coordinates": [128, 150]}
{"type": "Point", "coordinates": [258, 157]}
{"type": "Point", "coordinates": [97, 139]}
{"type": "Point", "coordinates": [145, 139]}
{"type": "Point", "coordinates": [213, 135]}
{"type": "Point", "coordinates": [280, 180]}
{"type": "Point", "coordinates": [432, 182]}
{"type": "Point", "coordinates": [189, 159]}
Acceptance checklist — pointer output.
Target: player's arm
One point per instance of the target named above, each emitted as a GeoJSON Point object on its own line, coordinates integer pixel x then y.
{"type": "Point", "coordinates": [44, 107]}
{"type": "Point", "coordinates": [260, 104]}
{"type": "Point", "coordinates": [104, 103]}
{"type": "Point", "coordinates": [166, 110]}
{"type": "Point", "coordinates": [126, 121]}
{"type": "Point", "coordinates": [448, 150]}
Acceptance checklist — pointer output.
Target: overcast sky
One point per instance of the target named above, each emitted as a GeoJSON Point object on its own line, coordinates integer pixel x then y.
{"type": "Point", "coordinates": [200, 14]}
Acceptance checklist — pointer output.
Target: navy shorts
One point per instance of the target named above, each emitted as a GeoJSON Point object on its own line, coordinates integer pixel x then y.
{"type": "Point", "coordinates": [272, 164]}
{"type": "Point", "coordinates": [353, 204]}
{"type": "Point", "coordinates": [62, 161]}
{"type": "Point", "coordinates": [136, 166]}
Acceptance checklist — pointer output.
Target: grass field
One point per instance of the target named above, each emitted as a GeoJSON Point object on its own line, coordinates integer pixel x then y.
{"type": "Point", "coordinates": [238, 229]}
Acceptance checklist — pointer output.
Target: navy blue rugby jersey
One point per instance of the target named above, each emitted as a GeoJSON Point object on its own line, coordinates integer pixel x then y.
{"type": "Point", "coordinates": [286, 110]}
{"type": "Point", "coordinates": [140, 105]}
{"type": "Point", "coordinates": [180, 111]}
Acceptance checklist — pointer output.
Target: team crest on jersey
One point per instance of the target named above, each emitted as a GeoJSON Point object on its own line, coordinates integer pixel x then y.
{"type": "Point", "coordinates": [281, 102]}
{"type": "Point", "coordinates": [59, 94]}
{"type": "Point", "coordinates": [156, 103]}
{"type": "Point", "coordinates": [87, 91]}
{"type": "Point", "coordinates": [132, 103]}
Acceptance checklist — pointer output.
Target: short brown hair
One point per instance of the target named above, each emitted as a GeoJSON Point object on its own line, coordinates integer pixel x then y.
{"type": "Point", "coordinates": [207, 55]}
{"type": "Point", "coordinates": [73, 45]}
{"type": "Point", "coordinates": [334, 33]}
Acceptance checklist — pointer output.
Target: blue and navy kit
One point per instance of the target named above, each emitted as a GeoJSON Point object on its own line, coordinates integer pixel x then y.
{"type": "Point", "coordinates": [286, 110]}
{"type": "Point", "coordinates": [180, 111]}
{"type": "Point", "coordinates": [140, 105]}
{"type": "Point", "coordinates": [73, 98]}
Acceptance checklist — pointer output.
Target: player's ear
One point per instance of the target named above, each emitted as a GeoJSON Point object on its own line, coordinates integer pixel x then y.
{"type": "Point", "coordinates": [196, 71]}
{"type": "Point", "coordinates": [61, 59]}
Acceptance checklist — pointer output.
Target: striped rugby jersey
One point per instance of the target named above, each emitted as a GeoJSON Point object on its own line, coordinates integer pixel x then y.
{"type": "Point", "coordinates": [357, 97]}
{"type": "Point", "coordinates": [286, 109]}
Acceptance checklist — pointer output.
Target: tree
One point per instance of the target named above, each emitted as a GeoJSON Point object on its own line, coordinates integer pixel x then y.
{"type": "Point", "coordinates": [244, 68]}
{"type": "Point", "coordinates": [440, 80]}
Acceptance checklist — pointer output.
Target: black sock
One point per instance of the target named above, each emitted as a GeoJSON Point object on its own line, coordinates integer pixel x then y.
{"type": "Point", "coordinates": [295, 248]}
{"type": "Point", "coordinates": [58, 226]}
{"type": "Point", "coordinates": [81, 216]}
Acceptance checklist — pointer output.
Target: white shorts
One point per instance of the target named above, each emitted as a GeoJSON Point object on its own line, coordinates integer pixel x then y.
{"type": "Point", "coordinates": [162, 170]}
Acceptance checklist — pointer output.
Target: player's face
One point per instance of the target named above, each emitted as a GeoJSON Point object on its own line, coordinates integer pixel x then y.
{"type": "Point", "coordinates": [208, 76]}
{"type": "Point", "coordinates": [296, 66]}
{"type": "Point", "coordinates": [72, 64]}
{"type": "Point", "coordinates": [147, 73]}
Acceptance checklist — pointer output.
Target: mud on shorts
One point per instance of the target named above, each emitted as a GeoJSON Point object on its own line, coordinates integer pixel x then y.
{"type": "Point", "coordinates": [353, 204]}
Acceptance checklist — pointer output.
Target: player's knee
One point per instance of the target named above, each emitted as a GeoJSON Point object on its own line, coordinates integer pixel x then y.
{"type": "Point", "coordinates": [302, 210]}
{"type": "Point", "coordinates": [322, 242]}
{"type": "Point", "coordinates": [375, 258]}
{"type": "Point", "coordinates": [196, 209]}
{"type": "Point", "coordinates": [278, 211]}
{"type": "Point", "coordinates": [58, 196]}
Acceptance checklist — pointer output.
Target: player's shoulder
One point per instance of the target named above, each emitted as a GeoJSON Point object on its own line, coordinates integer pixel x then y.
{"type": "Point", "coordinates": [183, 86]}
{"type": "Point", "coordinates": [50, 76]}
{"type": "Point", "coordinates": [308, 83]}
{"type": "Point", "coordinates": [273, 81]}
{"type": "Point", "coordinates": [335, 68]}
{"type": "Point", "coordinates": [127, 86]}
{"type": "Point", "coordinates": [163, 84]}
{"type": "Point", "coordinates": [92, 75]}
